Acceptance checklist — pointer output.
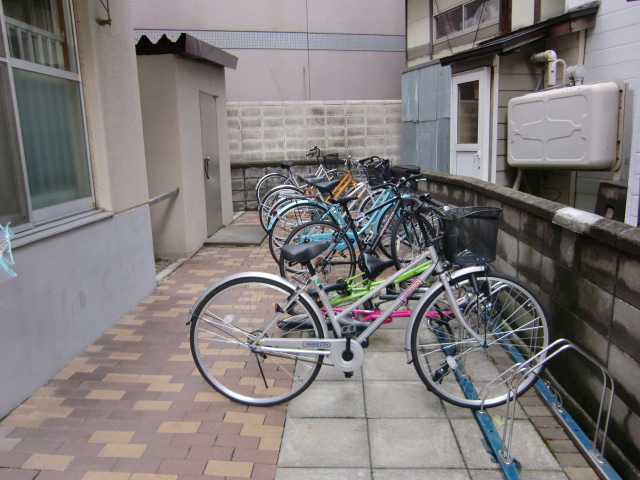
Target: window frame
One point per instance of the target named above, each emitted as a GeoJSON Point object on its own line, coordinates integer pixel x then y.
{"type": "Point", "coordinates": [50, 214]}
{"type": "Point", "coordinates": [464, 30]}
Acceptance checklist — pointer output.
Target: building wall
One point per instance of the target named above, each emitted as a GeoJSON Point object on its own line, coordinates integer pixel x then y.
{"type": "Point", "coordinates": [611, 51]}
{"type": "Point", "coordinates": [110, 82]}
{"type": "Point", "coordinates": [319, 50]}
{"type": "Point", "coordinates": [77, 277]}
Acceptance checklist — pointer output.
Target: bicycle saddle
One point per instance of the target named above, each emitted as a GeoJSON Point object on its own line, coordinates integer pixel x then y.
{"type": "Point", "coordinates": [286, 165]}
{"type": "Point", "coordinates": [302, 252]}
{"type": "Point", "coordinates": [309, 178]}
{"type": "Point", "coordinates": [372, 265]}
{"type": "Point", "coordinates": [325, 187]}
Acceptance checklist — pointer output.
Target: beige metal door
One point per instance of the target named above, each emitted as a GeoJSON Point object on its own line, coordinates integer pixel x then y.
{"type": "Point", "coordinates": [470, 121]}
{"type": "Point", "coordinates": [211, 162]}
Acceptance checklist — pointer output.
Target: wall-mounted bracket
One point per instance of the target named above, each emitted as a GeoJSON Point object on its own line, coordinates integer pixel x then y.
{"type": "Point", "coordinates": [104, 21]}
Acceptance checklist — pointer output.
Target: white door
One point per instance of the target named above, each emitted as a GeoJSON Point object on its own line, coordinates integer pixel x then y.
{"type": "Point", "coordinates": [470, 123]}
{"type": "Point", "coordinates": [211, 162]}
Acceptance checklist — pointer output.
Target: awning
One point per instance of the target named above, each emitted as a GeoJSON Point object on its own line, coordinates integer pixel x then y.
{"type": "Point", "coordinates": [189, 47]}
{"type": "Point", "coordinates": [510, 41]}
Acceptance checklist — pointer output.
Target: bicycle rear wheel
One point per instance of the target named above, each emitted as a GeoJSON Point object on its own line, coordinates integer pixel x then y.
{"type": "Point", "coordinates": [273, 201]}
{"type": "Point", "coordinates": [453, 364]}
{"type": "Point", "coordinates": [227, 320]}
{"type": "Point", "coordinates": [337, 262]}
{"type": "Point", "coordinates": [270, 180]}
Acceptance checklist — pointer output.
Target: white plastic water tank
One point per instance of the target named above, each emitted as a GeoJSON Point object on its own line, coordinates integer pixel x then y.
{"type": "Point", "coordinates": [572, 128]}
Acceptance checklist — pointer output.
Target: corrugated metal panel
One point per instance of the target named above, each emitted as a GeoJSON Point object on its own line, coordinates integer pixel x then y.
{"type": "Point", "coordinates": [428, 93]}
{"type": "Point", "coordinates": [410, 96]}
{"type": "Point", "coordinates": [443, 148]}
{"type": "Point", "coordinates": [426, 143]}
{"type": "Point", "coordinates": [426, 112]}
{"type": "Point", "coordinates": [444, 87]}
{"type": "Point", "coordinates": [409, 143]}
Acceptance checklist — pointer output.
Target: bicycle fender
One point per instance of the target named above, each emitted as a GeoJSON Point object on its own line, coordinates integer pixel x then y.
{"type": "Point", "coordinates": [425, 296]}
{"type": "Point", "coordinates": [296, 203]}
{"type": "Point", "coordinates": [267, 276]}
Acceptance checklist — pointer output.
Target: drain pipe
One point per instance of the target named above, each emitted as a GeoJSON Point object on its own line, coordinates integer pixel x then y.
{"type": "Point", "coordinates": [576, 74]}
{"type": "Point", "coordinates": [551, 59]}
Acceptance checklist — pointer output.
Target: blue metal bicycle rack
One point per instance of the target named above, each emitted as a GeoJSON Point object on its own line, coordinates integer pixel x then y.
{"type": "Point", "coordinates": [592, 448]}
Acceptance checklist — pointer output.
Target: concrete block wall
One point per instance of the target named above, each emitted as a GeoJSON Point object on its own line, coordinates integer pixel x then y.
{"type": "Point", "coordinates": [585, 269]}
{"type": "Point", "coordinates": [263, 134]}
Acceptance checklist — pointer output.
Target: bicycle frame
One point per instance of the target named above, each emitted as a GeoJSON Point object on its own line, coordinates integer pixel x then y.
{"type": "Point", "coordinates": [334, 212]}
{"type": "Point", "coordinates": [334, 347]}
{"type": "Point", "coordinates": [357, 288]}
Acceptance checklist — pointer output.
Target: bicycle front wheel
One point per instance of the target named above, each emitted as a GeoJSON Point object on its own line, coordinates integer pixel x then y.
{"type": "Point", "coordinates": [290, 217]}
{"type": "Point", "coordinates": [454, 365]}
{"type": "Point", "coordinates": [226, 324]}
{"type": "Point", "coordinates": [407, 238]}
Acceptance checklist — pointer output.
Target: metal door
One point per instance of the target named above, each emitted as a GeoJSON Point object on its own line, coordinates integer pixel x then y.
{"type": "Point", "coordinates": [470, 122]}
{"type": "Point", "coordinates": [211, 162]}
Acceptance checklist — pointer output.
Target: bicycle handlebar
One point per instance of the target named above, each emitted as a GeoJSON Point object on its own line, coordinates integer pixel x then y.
{"type": "Point", "coordinates": [314, 151]}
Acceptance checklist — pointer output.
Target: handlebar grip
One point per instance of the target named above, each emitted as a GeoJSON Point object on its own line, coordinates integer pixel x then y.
{"type": "Point", "coordinates": [429, 199]}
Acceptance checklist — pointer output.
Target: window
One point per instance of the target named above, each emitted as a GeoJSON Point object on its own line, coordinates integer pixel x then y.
{"type": "Point", "coordinates": [44, 163]}
{"type": "Point", "coordinates": [466, 18]}
{"type": "Point", "coordinates": [468, 108]}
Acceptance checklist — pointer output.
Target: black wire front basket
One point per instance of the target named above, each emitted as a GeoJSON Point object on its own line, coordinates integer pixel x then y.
{"type": "Point", "coordinates": [378, 173]}
{"type": "Point", "coordinates": [403, 171]}
{"type": "Point", "coordinates": [330, 161]}
{"type": "Point", "coordinates": [471, 234]}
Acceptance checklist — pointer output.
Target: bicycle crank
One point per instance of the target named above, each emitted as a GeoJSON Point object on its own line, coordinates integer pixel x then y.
{"type": "Point", "coordinates": [346, 354]}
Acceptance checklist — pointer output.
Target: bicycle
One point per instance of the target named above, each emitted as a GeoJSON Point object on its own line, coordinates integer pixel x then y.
{"type": "Point", "coordinates": [318, 190]}
{"type": "Point", "coordinates": [374, 220]}
{"type": "Point", "coordinates": [339, 260]}
{"type": "Point", "coordinates": [267, 182]}
{"type": "Point", "coordinates": [466, 329]}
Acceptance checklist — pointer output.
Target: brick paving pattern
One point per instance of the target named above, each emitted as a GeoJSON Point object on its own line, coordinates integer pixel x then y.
{"type": "Point", "coordinates": [133, 406]}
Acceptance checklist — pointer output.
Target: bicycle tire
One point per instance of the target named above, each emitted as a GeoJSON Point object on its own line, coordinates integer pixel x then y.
{"type": "Point", "coordinates": [234, 311]}
{"type": "Point", "coordinates": [268, 181]}
{"type": "Point", "coordinates": [458, 369]}
{"type": "Point", "coordinates": [407, 239]}
{"type": "Point", "coordinates": [337, 262]}
{"type": "Point", "coordinates": [385, 245]}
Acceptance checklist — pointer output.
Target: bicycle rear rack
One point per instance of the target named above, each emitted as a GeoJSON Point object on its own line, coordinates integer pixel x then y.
{"type": "Point", "coordinates": [592, 448]}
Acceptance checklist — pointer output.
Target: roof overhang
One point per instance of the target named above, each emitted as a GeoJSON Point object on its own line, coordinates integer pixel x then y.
{"type": "Point", "coordinates": [568, 22]}
{"type": "Point", "coordinates": [189, 47]}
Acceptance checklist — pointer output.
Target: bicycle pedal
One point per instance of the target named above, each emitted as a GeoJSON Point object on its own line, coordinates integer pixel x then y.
{"type": "Point", "coordinates": [349, 330]}
{"type": "Point", "coordinates": [348, 374]}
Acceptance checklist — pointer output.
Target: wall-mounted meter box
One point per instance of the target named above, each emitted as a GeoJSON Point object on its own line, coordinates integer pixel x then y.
{"type": "Point", "coordinates": [572, 128]}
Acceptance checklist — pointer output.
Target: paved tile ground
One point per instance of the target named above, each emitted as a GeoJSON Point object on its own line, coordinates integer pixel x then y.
{"type": "Point", "coordinates": [132, 406]}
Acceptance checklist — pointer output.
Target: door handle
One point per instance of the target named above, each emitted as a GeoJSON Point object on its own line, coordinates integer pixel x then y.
{"type": "Point", "coordinates": [206, 166]}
